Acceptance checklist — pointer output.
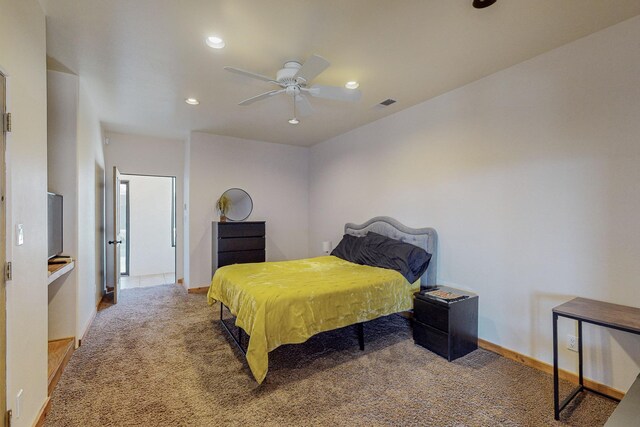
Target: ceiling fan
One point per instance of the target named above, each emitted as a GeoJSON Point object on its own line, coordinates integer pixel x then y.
{"type": "Point", "coordinates": [294, 79]}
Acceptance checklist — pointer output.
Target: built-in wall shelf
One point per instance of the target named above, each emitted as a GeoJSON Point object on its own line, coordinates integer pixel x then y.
{"type": "Point", "coordinates": [57, 270]}
{"type": "Point", "coordinates": [60, 352]}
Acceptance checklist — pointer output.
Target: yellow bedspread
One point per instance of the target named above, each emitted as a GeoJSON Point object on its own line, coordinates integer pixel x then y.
{"type": "Point", "coordinates": [288, 302]}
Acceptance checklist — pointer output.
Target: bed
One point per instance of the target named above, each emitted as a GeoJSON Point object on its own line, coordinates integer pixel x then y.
{"type": "Point", "coordinates": [288, 302]}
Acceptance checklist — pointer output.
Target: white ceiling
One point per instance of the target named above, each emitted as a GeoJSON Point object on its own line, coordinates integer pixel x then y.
{"type": "Point", "coordinates": [140, 59]}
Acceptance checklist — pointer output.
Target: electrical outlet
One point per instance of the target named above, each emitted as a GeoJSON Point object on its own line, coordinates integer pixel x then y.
{"type": "Point", "coordinates": [572, 343]}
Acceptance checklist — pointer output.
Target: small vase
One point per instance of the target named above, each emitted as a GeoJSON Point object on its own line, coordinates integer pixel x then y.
{"type": "Point", "coordinates": [223, 218]}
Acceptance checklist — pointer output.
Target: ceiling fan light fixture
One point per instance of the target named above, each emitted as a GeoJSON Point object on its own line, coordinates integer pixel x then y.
{"type": "Point", "coordinates": [352, 85]}
{"type": "Point", "coordinates": [293, 81]}
{"type": "Point", "coordinates": [215, 42]}
{"type": "Point", "coordinates": [192, 101]}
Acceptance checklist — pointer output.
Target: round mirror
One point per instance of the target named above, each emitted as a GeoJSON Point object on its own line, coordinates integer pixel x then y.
{"type": "Point", "coordinates": [235, 204]}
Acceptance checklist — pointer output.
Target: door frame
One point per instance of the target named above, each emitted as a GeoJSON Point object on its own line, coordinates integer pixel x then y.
{"type": "Point", "coordinates": [127, 228]}
{"type": "Point", "coordinates": [175, 217]}
{"type": "Point", "coordinates": [116, 234]}
{"type": "Point", "coordinates": [3, 255]}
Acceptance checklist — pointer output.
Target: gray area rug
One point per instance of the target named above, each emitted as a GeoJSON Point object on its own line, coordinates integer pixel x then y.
{"type": "Point", "coordinates": [160, 358]}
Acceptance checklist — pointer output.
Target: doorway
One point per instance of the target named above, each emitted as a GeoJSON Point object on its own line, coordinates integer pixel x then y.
{"type": "Point", "coordinates": [147, 229]}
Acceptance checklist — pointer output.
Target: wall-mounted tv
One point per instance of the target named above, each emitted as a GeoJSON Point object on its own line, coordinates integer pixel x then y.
{"type": "Point", "coordinates": [54, 213]}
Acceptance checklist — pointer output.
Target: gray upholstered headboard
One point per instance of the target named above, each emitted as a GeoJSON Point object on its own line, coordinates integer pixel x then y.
{"type": "Point", "coordinates": [425, 238]}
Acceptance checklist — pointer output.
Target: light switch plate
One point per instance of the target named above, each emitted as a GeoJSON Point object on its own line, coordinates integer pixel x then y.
{"type": "Point", "coordinates": [18, 404]}
{"type": "Point", "coordinates": [19, 234]}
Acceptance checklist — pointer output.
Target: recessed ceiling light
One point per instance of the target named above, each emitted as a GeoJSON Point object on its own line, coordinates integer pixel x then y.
{"type": "Point", "coordinates": [215, 42]}
{"type": "Point", "coordinates": [192, 101]}
{"type": "Point", "coordinates": [294, 121]}
{"type": "Point", "coordinates": [352, 85]}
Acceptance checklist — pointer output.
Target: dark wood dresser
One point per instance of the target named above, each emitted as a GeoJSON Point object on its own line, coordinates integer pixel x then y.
{"type": "Point", "coordinates": [237, 243]}
{"type": "Point", "coordinates": [447, 329]}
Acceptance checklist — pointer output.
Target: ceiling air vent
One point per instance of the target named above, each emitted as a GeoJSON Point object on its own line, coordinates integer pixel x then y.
{"type": "Point", "coordinates": [388, 102]}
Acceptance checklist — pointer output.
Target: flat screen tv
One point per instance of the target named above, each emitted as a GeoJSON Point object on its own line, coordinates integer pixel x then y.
{"type": "Point", "coordinates": [54, 213]}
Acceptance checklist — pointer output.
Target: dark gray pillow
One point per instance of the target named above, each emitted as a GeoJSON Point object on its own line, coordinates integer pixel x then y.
{"type": "Point", "coordinates": [348, 248]}
{"type": "Point", "coordinates": [381, 251]}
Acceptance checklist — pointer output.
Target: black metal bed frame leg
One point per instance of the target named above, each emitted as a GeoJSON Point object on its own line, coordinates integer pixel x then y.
{"type": "Point", "coordinates": [360, 327]}
{"type": "Point", "coordinates": [238, 340]}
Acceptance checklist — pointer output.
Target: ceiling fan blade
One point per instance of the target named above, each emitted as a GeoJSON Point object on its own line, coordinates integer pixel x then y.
{"type": "Point", "coordinates": [261, 96]}
{"type": "Point", "coordinates": [334, 92]}
{"type": "Point", "coordinates": [303, 106]}
{"type": "Point", "coordinates": [312, 68]}
{"type": "Point", "coordinates": [250, 74]}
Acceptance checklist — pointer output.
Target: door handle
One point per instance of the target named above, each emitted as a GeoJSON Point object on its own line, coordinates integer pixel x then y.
{"type": "Point", "coordinates": [117, 242]}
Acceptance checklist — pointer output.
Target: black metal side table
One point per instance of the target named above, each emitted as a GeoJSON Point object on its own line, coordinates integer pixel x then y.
{"type": "Point", "coordinates": [614, 316]}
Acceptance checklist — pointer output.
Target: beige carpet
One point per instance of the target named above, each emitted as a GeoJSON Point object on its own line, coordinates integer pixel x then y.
{"type": "Point", "coordinates": [160, 358]}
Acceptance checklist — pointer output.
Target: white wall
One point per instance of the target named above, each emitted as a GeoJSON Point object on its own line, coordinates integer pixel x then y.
{"type": "Point", "coordinates": [76, 170]}
{"type": "Point", "coordinates": [150, 200]}
{"type": "Point", "coordinates": [143, 155]}
{"type": "Point", "coordinates": [276, 177]}
{"type": "Point", "coordinates": [22, 58]}
{"type": "Point", "coordinates": [90, 172]}
{"type": "Point", "coordinates": [530, 176]}
{"type": "Point", "coordinates": [62, 131]}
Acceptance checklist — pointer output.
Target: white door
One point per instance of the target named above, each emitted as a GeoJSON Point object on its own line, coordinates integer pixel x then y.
{"type": "Point", "coordinates": [117, 240]}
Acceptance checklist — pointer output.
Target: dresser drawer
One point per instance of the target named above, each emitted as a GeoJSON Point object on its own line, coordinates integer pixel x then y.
{"type": "Point", "coordinates": [241, 244]}
{"type": "Point", "coordinates": [240, 229]}
{"type": "Point", "coordinates": [240, 257]}
{"type": "Point", "coordinates": [433, 315]}
{"type": "Point", "coordinates": [431, 338]}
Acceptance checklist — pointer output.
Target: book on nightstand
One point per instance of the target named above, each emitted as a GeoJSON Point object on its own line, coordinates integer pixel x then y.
{"type": "Point", "coordinates": [442, 296]}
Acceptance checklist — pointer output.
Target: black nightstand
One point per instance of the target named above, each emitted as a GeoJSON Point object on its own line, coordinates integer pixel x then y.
{"type": "Point", "coordinates": [447, 329]}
